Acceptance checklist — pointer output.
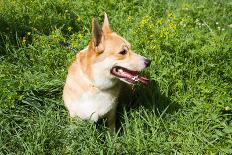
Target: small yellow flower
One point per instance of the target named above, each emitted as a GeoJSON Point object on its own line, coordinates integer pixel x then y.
{"type": "Point", "coordinates": [151, 26]}
{"type": "Point", "coordinates": [171, 15]}
{"type": "Point", "coordinates": [69, 28]}
{"type": "Point", "coordinates": [74, 44]}
{"type": "Point", "coordinates": [173, 26]}
{"type": "Point", "coordinates": [24, 40]}
{"type": "Point", "coordinates": [78, 18]}
{"type": "Point", "coordinates": [80, 36]}
{"type": "Point", "coordinates": [129, 18]}
{"type": "Point", "coordinates": [28, 33]}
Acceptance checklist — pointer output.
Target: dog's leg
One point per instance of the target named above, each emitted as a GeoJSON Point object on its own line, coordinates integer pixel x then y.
{"type": "Point", "coordinates": [111, 120]}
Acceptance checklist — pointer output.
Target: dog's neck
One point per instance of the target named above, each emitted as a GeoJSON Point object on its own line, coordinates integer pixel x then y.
{"type": "Point", "coordinates": [91, 73]}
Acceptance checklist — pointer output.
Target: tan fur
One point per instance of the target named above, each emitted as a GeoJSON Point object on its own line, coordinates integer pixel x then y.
{"type": "Point", "coordinates": [90, 91]}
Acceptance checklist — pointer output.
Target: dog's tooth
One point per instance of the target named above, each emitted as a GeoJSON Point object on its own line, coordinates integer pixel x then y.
{"type": "Point", "coordinates": [135, 78]}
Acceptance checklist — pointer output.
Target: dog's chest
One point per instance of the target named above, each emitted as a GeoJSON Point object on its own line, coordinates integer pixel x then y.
{"type": "Point", "coordinates": [100, 102]}
{"type": "Point", "coordinates": [94, 106]}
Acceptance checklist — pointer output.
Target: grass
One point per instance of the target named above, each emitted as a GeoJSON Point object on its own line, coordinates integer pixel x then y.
{"type": "Point", "coordinates": [185, 110]}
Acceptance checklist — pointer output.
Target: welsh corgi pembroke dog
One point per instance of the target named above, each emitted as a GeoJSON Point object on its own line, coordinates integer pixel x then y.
{"type": "Point", "coordinates": [95, 78]}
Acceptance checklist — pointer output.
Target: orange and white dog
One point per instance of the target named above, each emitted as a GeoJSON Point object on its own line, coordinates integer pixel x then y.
{"type": "Point", "coordinates": [94, 79]}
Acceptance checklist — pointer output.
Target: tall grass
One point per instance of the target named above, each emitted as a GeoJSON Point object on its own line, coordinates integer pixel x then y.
{"type": "Point", "coordinates": [185, 110]}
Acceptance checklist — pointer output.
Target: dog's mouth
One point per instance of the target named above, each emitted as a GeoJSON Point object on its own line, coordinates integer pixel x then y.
{"type": "Point", "coordinates": [131, 77]}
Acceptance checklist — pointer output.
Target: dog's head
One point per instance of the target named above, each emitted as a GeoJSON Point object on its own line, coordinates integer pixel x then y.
{"type": "Point", "coordinates": [112, 58]}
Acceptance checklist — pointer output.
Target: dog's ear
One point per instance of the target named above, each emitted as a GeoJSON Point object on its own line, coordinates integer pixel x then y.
{"type": "Point", "coordinates": [96, 33]}
{"type": "Point", "coordinates": [106, 26]}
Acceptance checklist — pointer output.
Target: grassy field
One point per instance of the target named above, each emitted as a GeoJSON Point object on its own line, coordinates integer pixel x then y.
{"type": "Point", "coordinates": [187, 108]}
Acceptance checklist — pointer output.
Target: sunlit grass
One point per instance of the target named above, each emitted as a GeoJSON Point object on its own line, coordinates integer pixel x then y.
{"type": "Point", "coordinates": [185, 110]}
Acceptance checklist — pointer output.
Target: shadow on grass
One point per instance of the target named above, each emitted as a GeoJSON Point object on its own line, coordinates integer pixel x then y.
{"type": "Point", "coordinates": [148, 97]}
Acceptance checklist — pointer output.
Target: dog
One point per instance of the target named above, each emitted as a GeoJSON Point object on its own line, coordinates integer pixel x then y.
{"type": "Point", "coordinates": [95, 78]}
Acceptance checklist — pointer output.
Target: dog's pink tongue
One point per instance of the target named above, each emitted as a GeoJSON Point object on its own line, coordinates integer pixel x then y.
{"type": "Point", "coordinates": [134, 77]}
{"type": "Point", "coordinates": [125, 74]}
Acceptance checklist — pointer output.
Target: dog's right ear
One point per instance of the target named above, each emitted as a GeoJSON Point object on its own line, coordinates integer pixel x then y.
{"type": "Point", "coordinates": [96, 33]}
{"type": "Point", "coordinates": [106, 25]}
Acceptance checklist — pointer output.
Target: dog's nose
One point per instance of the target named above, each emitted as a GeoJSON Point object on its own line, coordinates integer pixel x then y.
{"type": "Point", "coordinates": [147, 62]}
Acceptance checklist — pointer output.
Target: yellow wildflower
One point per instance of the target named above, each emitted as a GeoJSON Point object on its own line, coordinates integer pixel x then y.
{"type": "Point", "coordinates": [78, 18]}
{"type": "Point", "coordinates": [151, 26]}
{"type": "Point", "coordinates": [144, 21]}
{"type": "Point", "coordinates": [24, 40]}
{"type": "Point", "coordinates": [69, 28]}
{"type": "Point", "coordinates": [129, 18]}
{"type": "Point", "coordinates": [80, 36]}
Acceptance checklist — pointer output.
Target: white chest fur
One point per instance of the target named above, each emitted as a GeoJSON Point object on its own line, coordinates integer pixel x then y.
{"type": "Point", "coordinates": [93, 106]}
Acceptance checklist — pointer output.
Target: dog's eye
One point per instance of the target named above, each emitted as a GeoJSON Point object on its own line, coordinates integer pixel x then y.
{"type": "Point", "coordinates": [123, 52]}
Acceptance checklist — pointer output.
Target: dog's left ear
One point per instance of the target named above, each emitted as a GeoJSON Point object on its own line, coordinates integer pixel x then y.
{"type": "Point", "coordinates": [96, 32]}
{"type": "Point", "coordinates": [106, 26]}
